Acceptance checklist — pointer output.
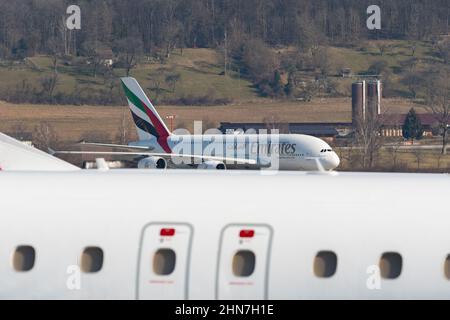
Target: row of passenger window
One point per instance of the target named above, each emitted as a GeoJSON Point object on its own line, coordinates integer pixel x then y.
{"type": "Point", "coordinates": [243, 264]}
{"type": "Point", "coordinates": [325, 264]}
{"type": "Point", "coordinates": [91, 259]}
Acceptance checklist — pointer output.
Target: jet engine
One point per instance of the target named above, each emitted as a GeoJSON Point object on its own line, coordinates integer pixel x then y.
{"type": "Point", "coordinates": [211, 164]}
{"type": "Point", "coordinates": [152, 163]}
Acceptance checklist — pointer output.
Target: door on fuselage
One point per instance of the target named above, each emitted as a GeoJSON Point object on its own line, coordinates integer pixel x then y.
{"type": "Point", "coordinates": [164, 261]}
{"type": "Point", "coordinates": [243, 262]}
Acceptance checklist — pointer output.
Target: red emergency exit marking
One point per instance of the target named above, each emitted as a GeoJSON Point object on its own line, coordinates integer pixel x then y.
{"type": "Point", "coordinates": [247, 233]}
{"type": "Point", "coordinates": [167, 232]}
{"type": "Point", "coordinates": [161, 281]}
{"type": "Point", "coordinates": [240, 283]}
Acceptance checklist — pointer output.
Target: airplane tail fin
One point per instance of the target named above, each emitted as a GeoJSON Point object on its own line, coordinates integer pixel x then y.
{"type": "Point", "coordinates": [147, 121]}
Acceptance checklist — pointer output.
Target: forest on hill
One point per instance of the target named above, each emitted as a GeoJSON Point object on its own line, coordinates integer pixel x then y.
{"type": "Point", "coordinates": [28, 27]}
{"type": "Point", "coordinates": [283, 48]}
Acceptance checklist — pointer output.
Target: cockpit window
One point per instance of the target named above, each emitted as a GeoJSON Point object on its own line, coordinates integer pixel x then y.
{"type": "Point", "coordinates": [326, 150]}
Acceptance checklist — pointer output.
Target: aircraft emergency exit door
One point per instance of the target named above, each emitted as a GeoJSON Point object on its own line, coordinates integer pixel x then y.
{"type": "Point", "coordinates": [243, 262]}
{"type": "Point", "coordinates": [164, 262]}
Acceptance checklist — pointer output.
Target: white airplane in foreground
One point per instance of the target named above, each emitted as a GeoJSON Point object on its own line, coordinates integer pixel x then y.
{"type": "Point", "coordinates": [158, 147]}
{"type": "Point", "coordinates": [223, 235]}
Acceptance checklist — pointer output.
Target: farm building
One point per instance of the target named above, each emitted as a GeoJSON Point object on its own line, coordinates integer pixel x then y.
{"type": "Point", "coordinates": [326, 131]}
{"type": "Point", "coordinates": [391, 124]}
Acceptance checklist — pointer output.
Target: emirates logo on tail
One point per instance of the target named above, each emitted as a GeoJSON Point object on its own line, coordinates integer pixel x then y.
{"type": "Point", "coordinates": [147, 120]}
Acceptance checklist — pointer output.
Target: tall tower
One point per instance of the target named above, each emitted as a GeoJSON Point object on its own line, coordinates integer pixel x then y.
{"type": "Point", "coordinates": [358, 103]}
{"type": "Point", "coordinates": [374, 98]}
{"type": "Point", "coordinates": [366, 102]}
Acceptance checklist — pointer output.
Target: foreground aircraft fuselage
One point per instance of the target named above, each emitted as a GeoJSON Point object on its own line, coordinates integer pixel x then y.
{"type": "Point", "coordinates": [223, 235]}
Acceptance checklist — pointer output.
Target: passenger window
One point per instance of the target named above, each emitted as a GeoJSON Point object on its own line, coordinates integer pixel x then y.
{"type": "Point", "coordinates": [24, 258]}
{"type": "Point", "coordinates": [325, 264]}
{"type": "Point", "coordinates": [164, 262]}
{"type": "Point", "coordinates": [243, 263]}
{"type": "Point", "coordinates": [391, 265]}
{"type": "Point", "coordinates": [447, 267]}
{"type": "Point", "coordinates": [91, 259]}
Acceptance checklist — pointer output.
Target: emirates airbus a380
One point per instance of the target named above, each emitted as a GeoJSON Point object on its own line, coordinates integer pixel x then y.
{"type": "Point", "coordinates": [159, 148]}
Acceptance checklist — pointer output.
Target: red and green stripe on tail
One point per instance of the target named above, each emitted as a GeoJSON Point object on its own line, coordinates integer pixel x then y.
{"type": "Point", "coordinates": [155, 127]}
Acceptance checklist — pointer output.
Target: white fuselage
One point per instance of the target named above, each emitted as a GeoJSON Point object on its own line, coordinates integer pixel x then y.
{"type": "Point", "coordinates": [284, 220]}
{"type": "Point", "coordinates": [294, 151]}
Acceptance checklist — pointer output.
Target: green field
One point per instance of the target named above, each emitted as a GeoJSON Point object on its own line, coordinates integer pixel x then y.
{"type": "Point", "coordinates": [396, 56]}
{"type": "Point", "coordinates": [398, 161]}
{"type": "Point", "coordinates": [201, 72]}
{"type": "Point", "coordinates": [198, 69]}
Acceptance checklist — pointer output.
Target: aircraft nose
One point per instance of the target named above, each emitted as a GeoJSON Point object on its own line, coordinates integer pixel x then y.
{"type": "Point", "coordinates": [332, 161]}
{"type": "Point", "coordinates": [335, 160]}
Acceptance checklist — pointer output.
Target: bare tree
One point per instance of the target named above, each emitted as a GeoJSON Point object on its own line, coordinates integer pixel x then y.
{"type": "Point", "coordinates": [438, 103]}
{"type": "Point", "coordinates": [48, 84]}
{"type": "Point", "coordinates": [129, 51]}
{"type": "Point", "coordinates": [419, 155]}
{"type": "Point", "coordinates": [95, 52]}
{"type": "Point", "coordinates": [394, 151]}
{"type": "Point", "coordinates": [18, 128]}
{"type": "Point", "coordinates": [171, 36]}
{"type": "Point", "coordinates": [346, 153]}
{"type": "Point", "coordinates": [274, 122]}
{"type": "Point", "coordinates": [172, 80]}
{"type": "Point", "coordinates": [439, 158]}
{"type": "Point", "coordinates": [157, 78]}
{"type": "Point", "coordinates": [44, 136]}
{"type": "Point", "coordinates": [259, 59]}
{"type": "Point", "coordinates": [123, 132]}
{"type": "Point", "coordinates": [322, 62]}
{"type": "Point", "coordinates": [368, 138]}
{"type": "Point", "coordinates": [382, 47]}
{"type": "Point", "coordinates": [414, 81]}
{"type": "Point", "coordinates": [444, 50]}
{"type": "Point", "coordinates": [413, 47]}
{"type": "Point", "coordinates": [225, 48]}
{"type": "Point", "coordinates": [55, 51]}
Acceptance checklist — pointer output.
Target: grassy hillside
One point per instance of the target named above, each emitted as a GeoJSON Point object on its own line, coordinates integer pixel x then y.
{"type": "Point", "coordinates": [398, 56]}
{"type": "Point", "coordinates": [200, 72]}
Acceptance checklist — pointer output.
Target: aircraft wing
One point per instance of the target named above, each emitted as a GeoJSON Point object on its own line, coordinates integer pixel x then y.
{"type": "Point", "coordinates": [16, 156]}
{"type": "Point", "coordinates": [115, 146]}
{"type": "Point", "coordinates": [162, 155]}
